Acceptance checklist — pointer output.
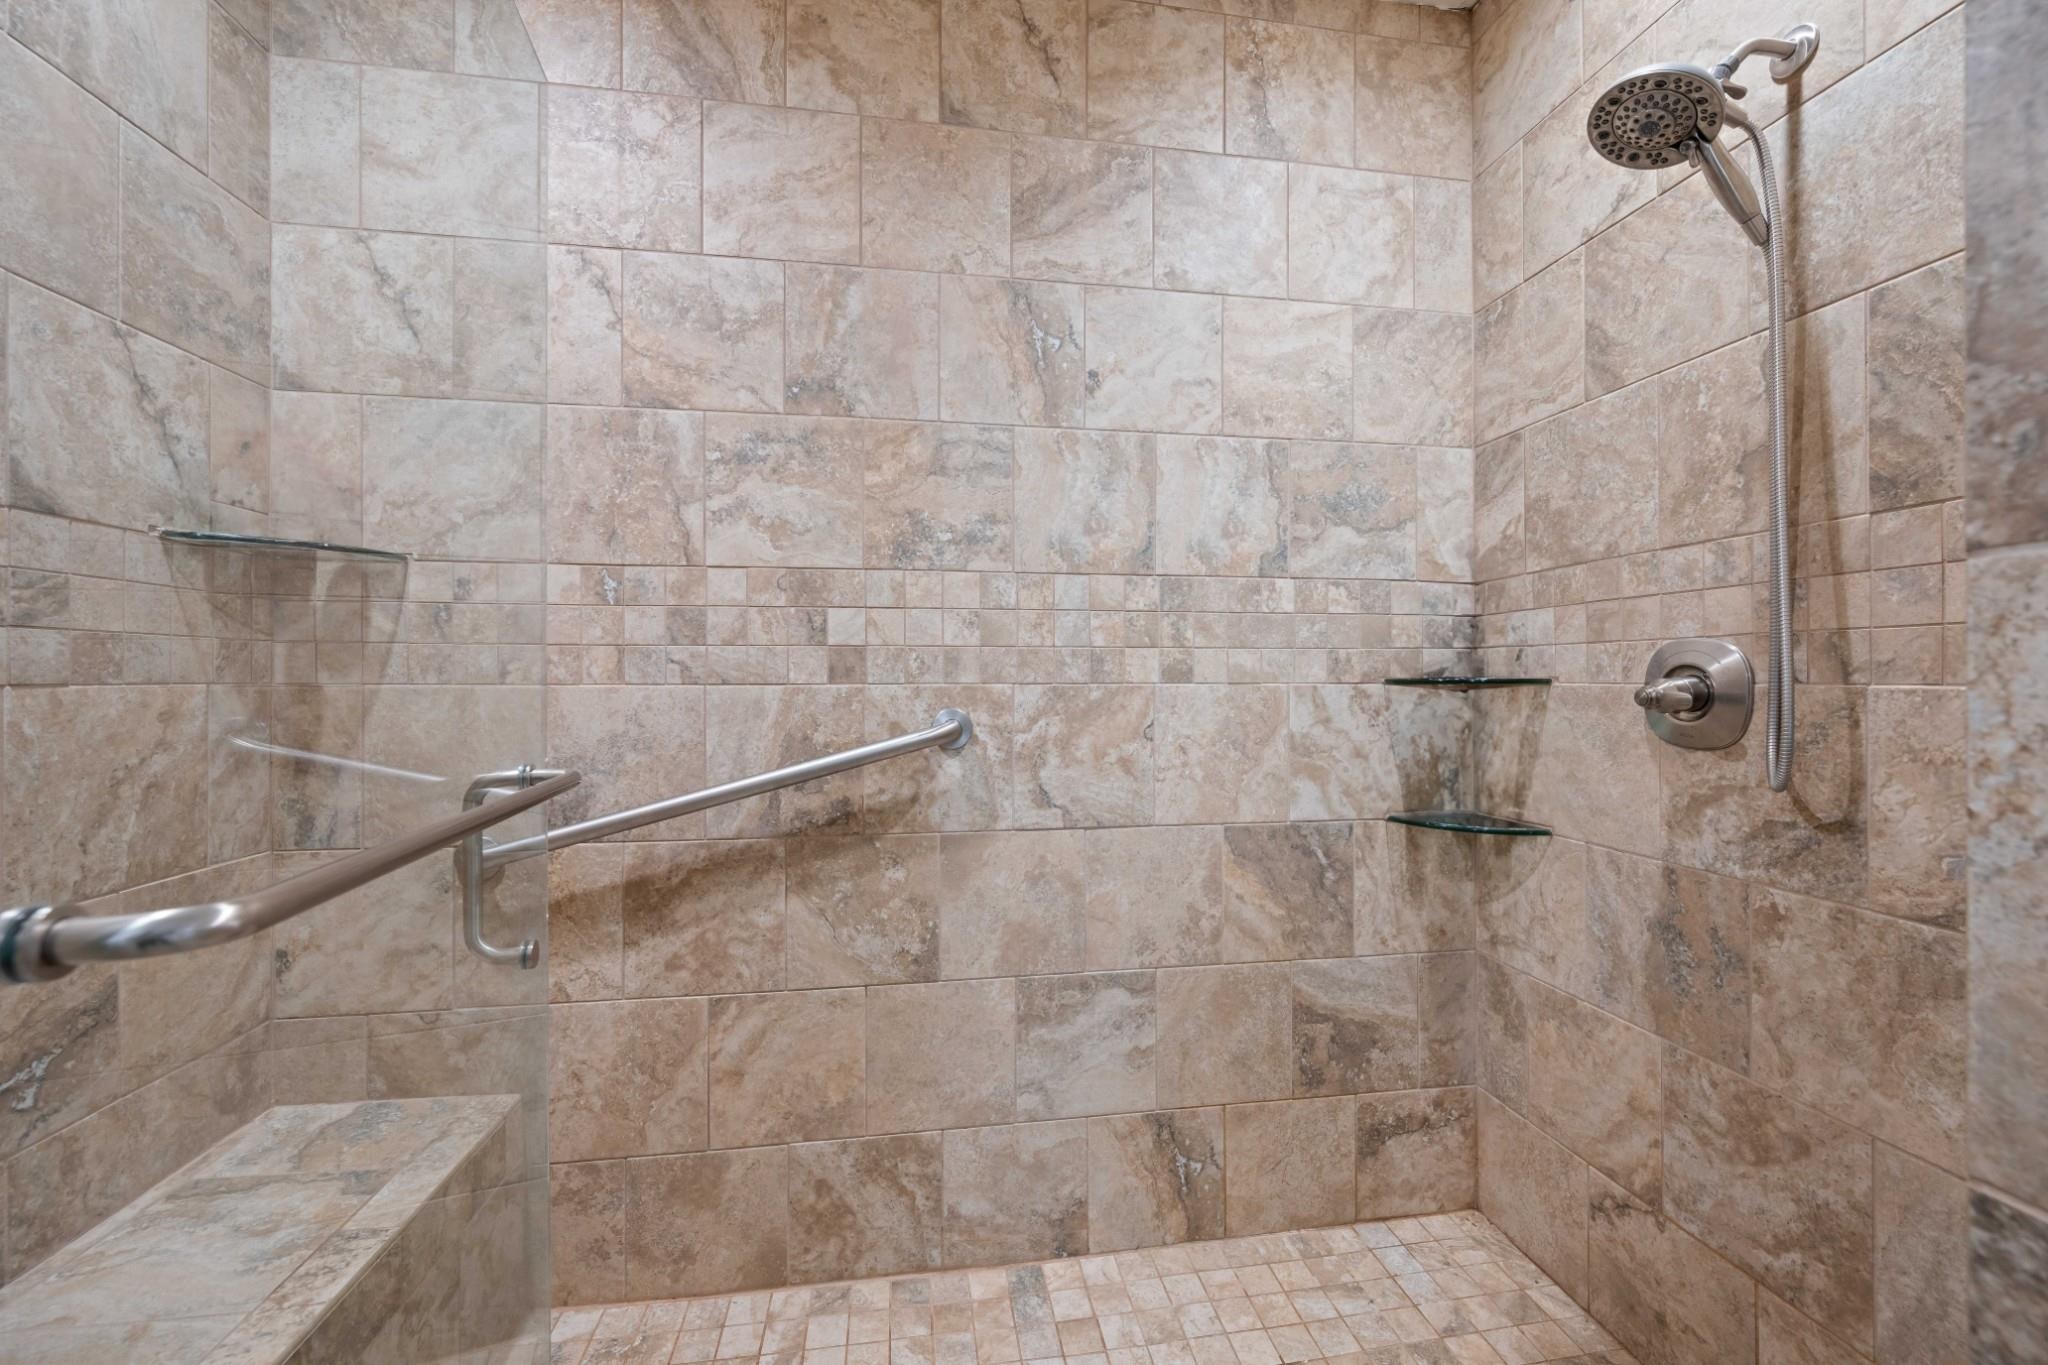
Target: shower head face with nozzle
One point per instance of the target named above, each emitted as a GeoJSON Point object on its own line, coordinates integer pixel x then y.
{"type": "Point", "coordinates": [1646, 119]}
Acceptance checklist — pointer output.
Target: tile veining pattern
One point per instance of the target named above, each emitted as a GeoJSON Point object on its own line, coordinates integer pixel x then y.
{"type": "Point", "coordinates": [1447, 1289]}
{"type": "Point", "coordinates": [1723, 1033]}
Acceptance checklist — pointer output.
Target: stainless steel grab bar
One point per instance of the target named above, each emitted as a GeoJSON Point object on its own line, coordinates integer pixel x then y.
{"type": "Point", "coordinates": [44, 942]}
{"type": "Point", "coordinates": [477, 859]}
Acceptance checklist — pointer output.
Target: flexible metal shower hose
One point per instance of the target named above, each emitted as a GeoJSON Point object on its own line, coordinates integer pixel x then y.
{"type": "Point", "coordinates": [1778, 709]}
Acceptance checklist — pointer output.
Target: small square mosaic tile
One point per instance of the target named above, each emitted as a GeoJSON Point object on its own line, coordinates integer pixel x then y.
{"type": "Point", "coordinates": [1447, 1289]}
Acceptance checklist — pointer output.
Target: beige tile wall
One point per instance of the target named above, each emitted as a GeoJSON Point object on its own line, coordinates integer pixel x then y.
{"type": "Point", "coordinates": [1724, 1032]}
{"type": "Point", "coordinates": [2007, 527]}
{"type": "Point", "coordinates": [755, 380]}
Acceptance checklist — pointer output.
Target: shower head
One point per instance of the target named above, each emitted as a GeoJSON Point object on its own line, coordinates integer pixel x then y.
{"type": "Point", "coordinates": [1658, 116]}
{"type": "Point", "coordinates": [1653, 116]}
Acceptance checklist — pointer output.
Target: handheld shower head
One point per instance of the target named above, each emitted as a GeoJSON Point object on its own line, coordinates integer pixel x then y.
{"type": "Point", "coordinates": [1650, 117]}
{"type": "Point", "coordinates": [1660, 115]}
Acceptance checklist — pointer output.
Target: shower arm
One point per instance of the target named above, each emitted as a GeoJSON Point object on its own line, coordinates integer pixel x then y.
{"type": "Point", "coordinates": [1789, 54]}
{"type": "Point", "coordinates": [477, 860]}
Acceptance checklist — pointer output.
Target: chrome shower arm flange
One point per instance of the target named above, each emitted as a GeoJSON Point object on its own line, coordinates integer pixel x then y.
{"type": "Point", "coordinates": [1790, 53]}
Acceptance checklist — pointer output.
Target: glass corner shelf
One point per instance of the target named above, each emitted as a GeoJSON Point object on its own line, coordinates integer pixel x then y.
{"type": "Point", "coordinates": [234, 540]}
{"type": "Point", "coordinates": [1469, 822]}
{"type": "Point", "coordinates": [1465, 682]}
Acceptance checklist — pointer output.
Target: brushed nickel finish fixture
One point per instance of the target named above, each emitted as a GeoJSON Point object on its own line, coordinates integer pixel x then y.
{"type": "Point", "coordinates": [477, 859]}
{"type": "Point", "coordinates": [1649, 119]}
{"type": "Point", "coordinates": [1698, 694]}
{"type": "Point", "coordinates": [44, 942]}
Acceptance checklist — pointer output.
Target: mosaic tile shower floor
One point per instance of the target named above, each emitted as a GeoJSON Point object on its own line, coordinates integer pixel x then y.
{"type": "Point", "coordinates": [1448, 1289]}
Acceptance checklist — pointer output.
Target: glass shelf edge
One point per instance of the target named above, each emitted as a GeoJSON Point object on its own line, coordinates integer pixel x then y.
{"type": "Point", "coordinates": [235, 540]}
{"type": "Point", "coordinates": [1469, 822]}
{"type": "Point", "coordinates": [1465, 683]}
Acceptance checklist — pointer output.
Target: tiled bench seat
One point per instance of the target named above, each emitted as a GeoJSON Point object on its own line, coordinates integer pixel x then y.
{"type": "Point", "coordinates": [374, 1230]}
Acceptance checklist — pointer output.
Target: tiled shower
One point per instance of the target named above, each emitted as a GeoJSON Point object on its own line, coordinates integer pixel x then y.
{"type": "Point", "coordinates": [733, 382]}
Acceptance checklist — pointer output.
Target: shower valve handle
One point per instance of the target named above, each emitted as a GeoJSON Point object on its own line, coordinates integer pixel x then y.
{"type": "Point", "coordinates": [1677, 695]}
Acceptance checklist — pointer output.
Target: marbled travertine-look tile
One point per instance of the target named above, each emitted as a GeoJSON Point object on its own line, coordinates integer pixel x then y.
{"type": "Point", "coordinates": [1355, 1025]}
{"type": "Point", "coordinates": [453, 154]}
{"type": "Point", "coordinates": [1919, 803]}
{"type": "Point", "coordinates": [1417, 1152]}
{"type": "Point", "coordinates": [787, 1067]}
{"type": "Point", "coordinates": [1536, 1192]}
{"type": "Point", "coordinates": [1012, 903]}
{"type": "Point", "coordinates": [102, 423]}
{"type": "Point", "coordinates": [1350, 758]}
{"type": "Point", "coordinates": [635, 744]}
{"type": "Point", "coordinates": [866, 1207]}
{"type": "Point", "coordinates": [1085, 1044]}
{"type": "Point", "coordinates": [127, 764]}
{"type": "Point", "coordinates": [1570, 193]}
{"type": "Point", "coordinates": [1154, 896]}
{"type": "Point", "coordinates": [148, 62]}
{"type": "Point", "coordinates": [1915, 380]}
{"type": "Point", "coordinates": [1414, 108]}
{"type": "Point", "coordinates": [1155, 75]}
{"type": "Point", "coordinates": [1685, 968]}
{"type": "Point", "coordinates": [1155, 1179]}
{"type": "Point", "coordinates": [1353, 511]}
{"type": "Point", "coordinates": [1084, 755]}
{"type": "Point", "coordinates": [1714, 455]}
{"type": "Point", "coordinates": [1081, 211]}
{"type": "Point", "coordinates": [1287, 370]}
{"type": "Point", "coordinates": [491, 39]}
{"type": "Point", "coordinates": [371, 32]}
{"type": "Point", "coordinates": [1497, 227]}
{"type": "Point", "coordinates": [1288, 92]}
{"type": "Point", "coordinates": [1154, 360]}
{"type": "Point", "coordinates": [1497, 509]}
{"type": "Point", "coordinates": [575, 42]}
{"type": "Point", "coordinates": [2008, 942]}
{"type": "Point", "coordinates": [1443, 245]}
{"type": "Point", "coordinates": [434, 316]}
{"type": "Point", "coordinates": [625, 1078]}
{"type": "Point", "coordinates": [861, 343]}
{"type": "Point", "coordinates": [1287, 891]}
{"type": "Point", "coordinates": [625, 486]}
{"type": "Point", "coordinates": [863, 910]}
{"type": "Point", "coordinates": [1593, 769]}
{"type": "Point", "coordinates": [59, 187]}
{"type": "Point", "coordinates": [315, 142]}
{"type": "Point", "coordinates": [1224, 1034]}
{"type": "Point", "coordinates": [238, 115]}
{"type": "Point", "coordinates": [1085, 502]}
{"type": "Point", "coordinates": [1350, 236]}
{"type": "Point", "coordinates": [941, 1055]}
{"type": "Point", "coordinates": [195, 261]}
{"type": "Point", "coordinates": [1529, 351]}
{"type": "Point", "coordinates": [1863, 1017]}
{"type": "Point", "coordinates": [703, 332]}
{"type": "Point", "coordinates": [783, 490]}
{"type": "Point", "coordinates": [1292, 1164]}
{"type": "Point", "coordinates": [1223, 506]}
{"type": "Point", "coordinates": [238, 441]}
{"type": "Point", "coordinates": [1021, 67]}
{"type": "Point", "coordinates": [1828, 411]}
{"type": "Point", "coordinates": [935, 198]}
{"type": "Point", "coordinates": [1010, 351]}
{"type": "Point", "coordinates": [401, 961]}
{"type": "Point", "coordinates": [584, 930]}
{"type": "Point", "coordinates": [2008, 1256]}
{"type": "Point", "coordinates": [938, 497]}
{"type": "Point", "coordinates": [1666, 1296]}
{"type": "Point", "coordinates": [1016, 1192]}
{"type": "Point", "coordinates": [753, 729]}
{"type": "Point", "coordinates": [1923, 1260]}
{"type": "Point", "coordinates": [781, 183]}
{"type": "Point", "coordinates": [1668, 283]}
{"type": "Point", "coordinates": [698, 918]}
{"type": "Point", "coordinates": [1591, 480]}
{"type": "Point", "coordinates": [1780, 1190]}
{"type": "Point", "coordinates": [1415, 893]}
{"type": "Point", "coordinates": [967, 790]}
{"type": "Point", "coordinates": [1219, 223]}
{"type": "Point", "coordinates": [1851, 231]}
{"type": "Point", "coordinates": [874, 57]}
{"type": "Point", "coordinates": [624, 169]}
{"type": "Point", "coordinates": [1524, 64]}
{"type": "Point", "coordinates": [584, 326]}
{"type": "Point", "coordinates": [1411, 377]}
{"type": "Point", "coordinates": [716, 49]}
{"type": "Point", "coordinates": [1443, 532]}
{"type": "Point", "coordinates": [453, 479]}
{"type": "Point", "coordinates": [706, 1222]}
{"type": "Point", "coordinates": [1204, 729]}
